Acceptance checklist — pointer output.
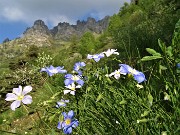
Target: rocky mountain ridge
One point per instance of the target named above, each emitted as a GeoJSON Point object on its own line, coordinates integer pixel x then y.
{"type": "Point", "coordinates": [40, 35]}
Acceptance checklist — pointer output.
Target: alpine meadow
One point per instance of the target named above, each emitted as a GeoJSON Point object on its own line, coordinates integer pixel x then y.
{"type": "Point", "coordinates": [116, 76]}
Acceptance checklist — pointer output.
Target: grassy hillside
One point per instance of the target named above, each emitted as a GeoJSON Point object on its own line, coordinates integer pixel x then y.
{"type": "Point", "coordinates": [132, 90]}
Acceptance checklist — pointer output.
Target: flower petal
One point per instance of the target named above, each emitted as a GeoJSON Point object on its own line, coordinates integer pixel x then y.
{"type": "Point", "coordinates": [89, 56]}
{"type": "Point", "coordinates": [15, 104]}
{"type": "Point", "coordinates": [27, 99]}
{"type": "Point", "coordinates": [68, 76]}
{"type": "Point", "coordinates": [96, 59]}
{"type": "Point", "coordinates": [26, 90]}
{"type": "Point", "coordinates": [65, 115]}
{"type": "Point", "coordinates": [61, 103]}
{"type": "Point", "coordinates": [62, 71]}
{"type": "Point", "coordinates": [43, 69]}
{"type": "Point", "coordinates": [67, 130]}
{"type": "Point", "coordinates": [68, 82]}
{"type": "Point", "coordinates": [75, 123]}
{"type": "Point", "coordinates": [72, 92]}
{"type": "Point", "coordinates": [17, 91]}
{"type": "Point", "coordinates": [117, 76]}
{"type": "Point", "coordinates": [124, 68]}
{"type": "Point", "coordinates": [140, 77]}
{"type": "Point", "coordinates": [66, 91]}
{"type": "Point", "coordinates": [78, 86]}
{"type": "Point", "coordinates": [71, 114]}
{"type": "Point", "coordinates": [59, 126]}
{"type": "Point", "coordinates": [11, 97]}
{"type": "Point", "coordinates": [80, 82]}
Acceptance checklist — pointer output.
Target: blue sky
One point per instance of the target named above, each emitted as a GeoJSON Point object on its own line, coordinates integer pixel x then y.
{"type": "Point", "coordinates": [17, 15]}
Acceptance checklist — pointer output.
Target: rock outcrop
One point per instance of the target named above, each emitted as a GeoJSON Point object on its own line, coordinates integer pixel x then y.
{"type": "Point", "coordinates": [64, 31]}
{"type": "Point", "coordinates": [40, 35]}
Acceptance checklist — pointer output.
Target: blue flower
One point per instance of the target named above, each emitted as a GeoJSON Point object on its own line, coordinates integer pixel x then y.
{"type": "Point", "coordinates": [96, 57]}
{"type": "Point", "coordinates": [53, 70]}
{"type": "Point", "coordinates": [68, 123]}
{"type": "Point", "coordinates": [78, 66]}
{"type": "Point", "coordinates": [178, 65]}
{"type": "Point", "coordinates": [62, 103]}
{"type": "Point", "coordinates": [138, 76]}
{"type": "Point", "coordinates": [73, 78]}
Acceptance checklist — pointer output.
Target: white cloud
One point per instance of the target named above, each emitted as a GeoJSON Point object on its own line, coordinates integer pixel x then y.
{"type": "Point", "coordinates": [55, 11]}
{"type": "Point", "coordinates": [12, 14]}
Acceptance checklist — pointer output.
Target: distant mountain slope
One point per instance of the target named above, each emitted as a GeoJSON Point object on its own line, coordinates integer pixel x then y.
{"type": "Point", "coordinates": [40, 35]}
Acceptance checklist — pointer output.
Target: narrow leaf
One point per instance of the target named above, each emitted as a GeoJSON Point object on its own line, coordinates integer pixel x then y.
{"type": "Point", "coordinates": [150, 99]}
{"type": "Point", "coordinates": [148, 58]}
{"type": "Point", "coordinates": [153, 52]}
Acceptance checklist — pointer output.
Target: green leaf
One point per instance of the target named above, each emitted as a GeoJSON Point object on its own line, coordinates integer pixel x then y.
{"type": "Point", "coordinates": [148, 58]}
{"type": "Point", "coordinates": [145, 113]}
{"type": "Point", "coordinates": [162, 67]}
{"type": "Point", "coordinates": [153, 52]}
{"type": "Point", "coordinates": [109, 80]}
{"type": "Point", "coordinates": [177, 26]}
{"type": "Point", "coordinates": [169, 51]}
{"type": "Point", "coordinates": [142, 121]}
{"type": "Point", "coordinates": [89, 88]}
{"type": "Point", "coordinates": [52, 118]}
{"type": "Point", "coordinates": [123, 102]}
{"type": "Point", "coordinates": [162, 45]}
{"type": "Point", "coordinates": [99, 97]}
{"type": "Point", "coordinates": [150, 99]}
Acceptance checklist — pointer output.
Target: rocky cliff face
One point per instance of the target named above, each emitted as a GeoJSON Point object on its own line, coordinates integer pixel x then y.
{"type": "Point", "coordinates": [39, 32]}
{"type": "Point", "coordinates": [40, 35]}
{"type": "Point", "coordinates": [64, 31]}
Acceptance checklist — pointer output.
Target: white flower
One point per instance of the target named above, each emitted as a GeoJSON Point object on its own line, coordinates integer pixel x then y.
{"type": "Point", "coordinates": [116, 74]}
{"type": "Point", "coordinates": [109, 52]}
{"type": "Point", "coordinates": [71, 89]}
{"type": "Point", "coordinates": [19, 95]}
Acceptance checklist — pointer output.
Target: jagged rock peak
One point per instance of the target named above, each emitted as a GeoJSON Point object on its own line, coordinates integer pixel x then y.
{"type": "Point", "coordinates": [91, 20]}
{"type": "Point", "coordinates": [63, 24]}
{"type": "Point", "coordinates": [39, 22]}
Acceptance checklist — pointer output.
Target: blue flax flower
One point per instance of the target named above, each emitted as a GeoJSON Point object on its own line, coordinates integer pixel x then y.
{"type": "Point", "coordinates": [96, 57]}
{"type": "Point", "coordinates": [73, 78]}
{"type": "Point", "coordinates": [138, 76]}
{"type": "Point", "coordinates": [18, 95]}
{"type": "Point", "coordinates": [68, 123]}
{"type": "Point", "coordinates": [178, 65]}
{"type": "Point", "coordinates": [62, 103]}
{"type": "Point", "coordinates": [53, 70]}
{"type": "Point", "coordinates": [78, 66]}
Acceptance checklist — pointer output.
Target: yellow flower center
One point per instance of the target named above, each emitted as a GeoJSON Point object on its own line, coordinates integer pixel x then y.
{"type": "Point", "coordinates": [20, 97]}
{"type": "Point", "coordinates": [132, 71]}
{"type": "Point", "coordinates": [68, 121]}
{"type": "Point", "coordinates": [75, 78]}
{"type": "Point", "coordinates": [117, 72]}
{"type": "Point", "coordinates": [130, 75]}
{"type": "Point", "coordinates": [73, 88]}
